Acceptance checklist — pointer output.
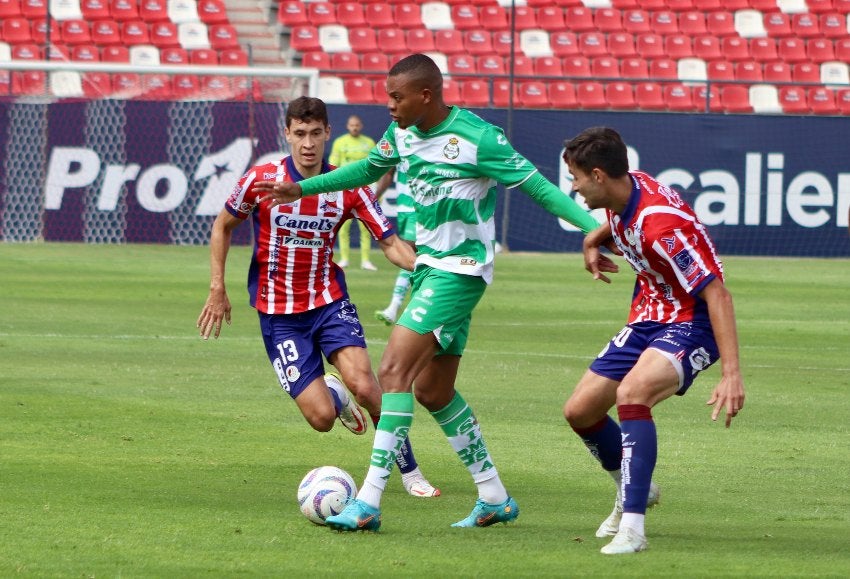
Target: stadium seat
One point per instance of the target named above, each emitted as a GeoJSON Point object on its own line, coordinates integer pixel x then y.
{"type": "Point", "coordinates": [637, 21]}
{"type": "Point", "coordinates": [833, 25]}
{"type": "Point", "coordinates": [842, 49]}
{"type": "Point", "coordinates": [407, 16]}
{"type": "Point", "coordinates": [363, 40]}
{"type": "Point", "coordinates": [842, 101]}
{"type": "Point", "coordinates": [548, 66]}
{"type": "Point", "coordinates": [805, 72]}
{"type": "Point", "coordinates": [126, 85]}
{"type": "Point", "coordinates": [316, 59]}
{"type": "Point", "coordinates": [334, 38]}
{"type": "Point", "coordinates": [679, 98]}
{"type": "Point", "coordinates": [621, 44]}
{"type": "Point", "coordinates": [464, 16]}
{"type": "Point", "coordinates": [524, 18]}
{"type": "Point", "coordinates": [819, 6]}
{"type": "Point", "coordinates": [84, 53]}
{"type": "Point", "coordinates": [805, 25]}
{"type": "Point", "coordinates": [134, 32]}
{"type": "Point", "coordinates": [420, 40]}
{"type": "Point", "coordinates": [750, 23]}
{"type": "Point", "coordinates": [591, 95]}
{"type": "Point", "coordinates": [305, 39]}
{"type": "Point", "coordinates": [607, 20]}
{"type": "Point", "coordinates": [461, 65]}
{"type": "Point", "coordinates": [153, 10]}
{"type": "Point", "coordinates": [39, 30]}
{"type": "Point", "coordinates": [62, 10]}
{"type": "Point", "coordinates": [437, 16]}
{"type": "Point", "coordinates": [451, 91]}
{"type": "Point", "coordinates": [821, 101]}
{"type": "Point", "coordinates": [634, 67]}
{"type": "Point", "coordinates": [391, 41]}
{"type": "Point", "coordinates": [820, 50]}
{"type": "Point", "coordinates": [576, 67]}
{"type": "Point", "coordinates": [605, 67]}
{"type": "Point", "coordinates": [217, 87]}
{"type": "Point", "coordinates": [233, 57]}
{"type": "Point", "coordinates": [181, 11]}
{"type": "Point", "coordinates": [75, 32]}
{"type": "Point", "coordinates": [331, 90]}
{"type": "Point", "coordinates": [792, 6]}
{"type": "Point", "coordinates": [579, 18]}
{"type": "Point", "coordinates": [562, 95]}
{"type": "Point", "coordinates": [704, 98]}
{"type": "Point", "coordinates": [749, 71]}
{"type": "Point", "coordinates": [664, 22]}
{"type": "Point", "coordinates": [503, 42]}
{"type": "Point", "coordinates": [678, 46]}
{"type": "Point", "coordinates": [522, 65]}
{"type": "Point", "coordinates": [449, 41]}
{"type": "Point", "coordinates": [792, 49]}
{"type": "Point", "coordinates": [535, 43]}
{"type": "Point", "coordinates": [793, 101]}
{"type": "Point", "coordinates": [650, 45]}
{"type": "Point", "coordinates": [94, 10]}
{"type": "Point", "coordinates": [115, 53]}
{"type": "Point", "coordinates": [692, 70]}
{"type": "Point", "coordinates": [475, 93]}
{"type": "Point", "coordinates": [777, 24]}
{"type": "Point", "coordinates": [777, 72]}
{"type": "Point", "coordinates": [29, 83]}
{"type": "Point", "coordinates": [292, 13]}
{"type": "Point", "coordinates": [720, 70]}
{"type": "Point", "coordinates": [620, 95]}
{"type": "Point", "coordinates": [764, 98]}
{"type": "Point", "coordinates": [504, 91]}
{"type": "Point", "coordinates": [185, 86]}
{"type": "Point", "coordinates": [490, 65]}
{"type": "Point", "coordinates": [374, 65]}
{"type": "Point", "coordinates": [359, 90]}
{"type": "Point", "coordinates": [707, 48]}
{"type": "Point", "coordinates": [164, 35]}
{"type": "Point", "coordinates": [720, 23]}
{"type": "Point", "coordinates": [649, 96]}
{"type": "Point", "coordinates": [212, 12]}
{"type": "Point", "coordinates": [834, 73]}
{"type": "Point", "coordinates": [345, 64]}
{"type": "Point", "coordinates": [223, 36]}
{"type": "Point", "coordinates": [27, 51]}
{"type": "Point", "coordinates": [144, 55]}
{"type": "Point", "coordinates": [533, 95]}
{"type": "Point", "coordinates": [735, 99]}
{"type": "Point", "coordinates": [549, 18]}
{"type": "Point", "coordinates": [563, 43]}
{"type": "Point", "coordinates": [96, 84]}
{"type": "Point", "coordinates": [5, 53]}
{"type": "Point", "coordinates": [174, 56]}
{"type": "Point", "coordinates": [663, 69]}
{"type": "Point", "coordinates": [194, 35]}
{"type": "Point", "coordinates": [321, 13]}
{"type": "Point", "coordinates": [734, 48]}
{"type": "Point", "coordinates": [477, 42]}
{"type": "Point", "coordinates": [764, 49]}
{"type": "Point", "coordinates": [351, 14]}
{"type": "Point", "coordinates": [692, 23]}
{"type": "Point", "coordinates": [764, 6]}
{"type": "Point", "coordinates": [34, 9]}
{"type": "Point", "coordinates": [379, 16]}
{"type": "Point", "coordinates": [123, 11]}
{"type": "Point", "coordinates": [156, 87]}
{"type": "Point", "coordinates": [16, 30]}
{"type": "Point", "coordinates": [592, 44]}
{"type": "Point", "coordinates": [10, 9]}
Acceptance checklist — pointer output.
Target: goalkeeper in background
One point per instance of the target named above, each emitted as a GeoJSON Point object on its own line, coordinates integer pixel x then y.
{"type": "Point", "coordinates": [454, 160]}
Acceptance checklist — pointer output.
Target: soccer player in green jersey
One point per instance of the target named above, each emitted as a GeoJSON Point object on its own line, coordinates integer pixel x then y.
{"type": "Point", "coordinates": [454, 160]}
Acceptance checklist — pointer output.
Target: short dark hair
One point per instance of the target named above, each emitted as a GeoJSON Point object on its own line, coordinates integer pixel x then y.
{"type": "Point", "coordinates": [598, 147]}
{"type": "Point", "coordinates": [422, 70]}
{"type": "Point", "coordinates": [306, 109]}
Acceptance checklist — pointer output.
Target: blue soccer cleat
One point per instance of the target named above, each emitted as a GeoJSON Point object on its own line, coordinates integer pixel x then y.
{"type": "Point", "coordinates": [485, 514]}
{"type": "Point", "coordinates": [356, 516]}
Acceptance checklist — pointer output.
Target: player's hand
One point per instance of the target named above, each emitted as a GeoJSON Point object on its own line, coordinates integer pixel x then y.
{"type": "Point", "coordinates": [215, 310]}
{"type": "Point", "coordinates": [728, 394]}
{"type": "Point", "coordinates": [278, 192]}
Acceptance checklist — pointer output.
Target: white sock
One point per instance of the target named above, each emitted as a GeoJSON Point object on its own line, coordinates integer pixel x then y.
{"type": "Point", "coordinates": [634, 521]}
{"type": "Point", "coordinates": [492, 491]}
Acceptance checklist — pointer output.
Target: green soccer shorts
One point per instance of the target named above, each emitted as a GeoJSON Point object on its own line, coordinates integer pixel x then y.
{"type": "Point", "coordinates": [441, 303]}
{"type": "Point", "coordinates": [406, 221]}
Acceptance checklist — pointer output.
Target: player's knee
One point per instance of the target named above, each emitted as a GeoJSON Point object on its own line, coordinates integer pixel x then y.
{"type": "Point", "coordinates": [321, 421]}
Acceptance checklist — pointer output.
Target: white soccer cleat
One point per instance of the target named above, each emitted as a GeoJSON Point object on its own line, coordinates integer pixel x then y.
{"type": "Point", "coordinates": [350, 415]}
{"type": "Point", "coordinates": [417, 485]}
{"type": "Point", "coordinates": [368, 266]}
{"type": "Point", "coordinates": [611, 525]}
{"type": "Point", "coordinates": [343, 263]}
{"type": "Point", "coordinates": [387, 316]}
{"type": "Point", "coordinates": [626, 541]}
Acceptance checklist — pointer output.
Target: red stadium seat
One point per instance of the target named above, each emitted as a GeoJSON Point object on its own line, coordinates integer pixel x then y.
{"type": "Point", "coordinates": [702, 96]}
{"type": "Point", "coordinates": [579, 19]}
{"type": "Point", "coordinates": [524, 18]}
{"type": "Point", "coordinates": [153, 10]}
{"type": "Point", "coordinates": [533, 94]}
{"type": "Point", "coordinates": [94, 10]}
{"type": "Point", "coordinates": [562, 95]}
{"type": "Point", "coordinates": [126, 85]}
{"type": "Point", "coordinates": [478, 42]}
{"type": "Point", "coordinates": [305, 39]}
{"type": "Point", "coordinates": [550, 19]}
{"type": "Point", "coordinates": [620, 96]}
{"type": "Point", "coordinates": [465, 17]}
{"type": "Point", "coordinates": [692, 23]}
{"type": "Point", "coordinates": [678, 46]}
{"type": "Point", "coordinates": [792, 49]}
{"type": "Point", "coordinates": [97, 84]}
{"type": "Point", "coordinates": [777, 24]}
{"type": "Point", "coordinates": [707, 48]}
{"type": "Point", "coordinates": [223, 36]}
{"type": "Point", "coordinates": [461, 65]}
{"type": "Point", "coordinates": [764, 49]}
{"type": "Point", "coordinates": [679, 5]}
{"type": "Point", "coordinates": [164, 35]}
{"type": "Point", "coordinates": [391, 41]}
{"type": "Point", "coordinates": [664, 22]}
{"type": "Point", "coordinates": [637, 21]}
{"type": "Point", "coordinates": [592, 44]}
{"type": "Point", "coordinates": [735, 48]}
{"type": "Point", "coordinates": [321, 13]}
{"type": "Point", "coordinates": [591, 95]}
{"type": "Point", "coordinates": [649, 96]}
{"type": "Point", "coordinates": [174, 56]}
{"type": "Point", "coordinates": [39, 30]}
{"type": "Point", "coordinates": [212, 12]}
{"type": "Point", "coordinates": [351, 14]}
{"type": "Point", "coordinates": [663, 69]}
{"type": "Point", "coordinates": [156, 87]}
{"type": "Point", "coordinates": [777, 72]}
{"type": "Point", "coordinates": [85, 53]}
{"type": "Point", "coordinates": [407, 16]}
{"type": "Point", "coordinates": [359, 90]}
{"type": "Point", "coordinates": [451, 91]}
{"type": "Point", "coordinates": [548, 66]}
{"type": "Point", "coordinates": [345, 64]}
{"type": "Point", "coordinates": [475, 93]}
{"type": "Point", "coordinates": [805, 25]}
{"type": "Point", "coordinates": [523, 65]}
{"type": "Point", "coordinates": [491, 65]}
{"type": "Point", "coordinates": [34, 9]}
{"type": "Point", "coordinates": [203, 56]}
{"type": "Point", "coordinates": [504, 91]}
{"type": "Point", "coordinates": [379, 15]}
{"type": "Point", "coordinates": [449, 41]}
{"type": "Point", "coordinates": [842, 49]}
{"type": "Point", "coordinates": [233, 57]}
{"type": "Point", "coordinates": [375, 65]}
{"type": "Point", "coordinates": [608, 20]}
{"type": "Point", "coordinates": [833, 25]}
{"type": "Point", "coordinates": [749, 70]}
{"type": "Point", "coordinates": [820, 49]}
{"type": "Point", "coordinates": [679, 98]}
{"type": "Point", "coordinates": [621, 44]}
{"type": "Point", "coordinates": [819, 6]}
{"type": "Point", "coordinates": [10, 9]}
{"type": "Point", "coordinates": [576, 67]}
{"type": "Point", "coordinates": [364, 40]}
{"type": "Point", "coordinates": [134, 33]}
{"type": "Point", "coordinates": [605, 67]}
{"type": "Point", "coordinates": [16, 30]}
{"type": "Point", "coordinates": [564, 43]}
{"type": "Point", "coordinates": [185, 86]}
{"type": "Point", "coordinates": [75, 32]}
{"type": "Point", "coordinates": [842, 100]}
{"type": "Point", "coordinates": [634, 67]}
{"type": "Point", "coordinates": [650, 45]}
{"type": "Point", "coordinates": [502, 42]}
{"type": "Point", "coordinates": [115, 53]}
{"type": "Point", "coordinates": [793, 100]}
{"type": "Point", "coordinates": [805, 72]}
{"type": "Point", "coordinates": [122, 11]}
{"type": "Point", "coordinates": [59, 52]}
{"type": "Point", "coordinates": [720, 70]}
{"type": "Point", "coordinates": [720, 23]}
{"type": "Point", "coordinates": [316, 59]}
{"type": "Point", "coordinates": [821, 101]}
{"type": "Point", "coordinates": [420, 40]}
{"type": "Point", "coordinates": [735, 99]}
{"type": "Point", "coordinates": [292, 13]}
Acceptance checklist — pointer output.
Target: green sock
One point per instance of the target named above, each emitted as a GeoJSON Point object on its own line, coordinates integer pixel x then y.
{"type": "Point", "coordinates": [390, 434]}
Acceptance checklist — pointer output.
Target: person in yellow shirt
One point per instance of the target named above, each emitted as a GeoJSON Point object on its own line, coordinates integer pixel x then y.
{"type": "Point", "coordinates": [344, 150]}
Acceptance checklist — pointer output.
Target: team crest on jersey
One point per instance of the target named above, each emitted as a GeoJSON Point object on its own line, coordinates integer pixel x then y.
{"type": "Point", "coordinates": [332, 197]}
{"type": "Point", "coordinates": [452, 149]}
{"type": "Point", "coordinates": [386, 148]}
{"type": "Point", "coordinates": [292, 374]}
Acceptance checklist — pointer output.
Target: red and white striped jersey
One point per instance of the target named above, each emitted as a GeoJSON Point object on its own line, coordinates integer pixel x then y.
{"type": "Point", "coordinates": [292, 268]}
{"type": "Point", "coordinates": [669, 249]}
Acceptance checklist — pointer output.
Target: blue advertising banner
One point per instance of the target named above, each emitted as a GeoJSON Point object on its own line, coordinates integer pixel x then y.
{"type": "Point", "coordinates": [125, 171]}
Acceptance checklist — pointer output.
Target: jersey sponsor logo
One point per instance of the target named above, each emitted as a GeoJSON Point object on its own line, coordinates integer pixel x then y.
{"type": "Point", "coordinates": [452, 149]}
{"type": "Point", "coordinates": [386, 148]}
{"type": "Point", "coordinates": [332, 196]}
{"type": "Point", "coordinates": [670, 242]}
{"type": "Point", "coordinates": [287, 221]}
{"type": "Point", "coordinates": [270, 176]}
{"type": "Point", "coordinates": [686, 264]}
{"type": "Point", "coordinates": [448, 173]}
{"type": "Point", "coordinates": [315, 242]}
{"type": "Point", "coordinates": [468, 261]}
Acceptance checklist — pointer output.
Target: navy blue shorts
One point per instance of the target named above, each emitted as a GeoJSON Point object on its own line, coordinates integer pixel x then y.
{"type": "Point", "coordinates": [295, 343]}
{"type": "Point", "coordinates": [689, 346]}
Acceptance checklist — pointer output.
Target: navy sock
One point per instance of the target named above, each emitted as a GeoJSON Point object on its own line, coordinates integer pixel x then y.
{"type": "Point", "coordinates": [604, 442]}
{"type": "Point", "coordinates": [640, 449]}
{"type": "Point", "coordinates": [404, 459]}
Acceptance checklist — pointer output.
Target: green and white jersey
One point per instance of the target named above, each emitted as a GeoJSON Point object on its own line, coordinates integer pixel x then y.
{"type": "Point", "coordinates": [403, 201]}
{"type": "Point", "coordinates": [452, 172]}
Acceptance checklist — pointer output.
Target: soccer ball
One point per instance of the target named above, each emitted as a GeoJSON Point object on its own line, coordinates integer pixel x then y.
{"type": "Point", "coordinates": [324, 491]}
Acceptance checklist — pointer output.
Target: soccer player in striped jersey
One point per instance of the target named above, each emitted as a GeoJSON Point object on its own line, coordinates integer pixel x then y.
{"type": "Point", "coordinates": [300, 293]}
{"type": "Point", "coordinates": [453, 160]}
{"type": "Point", "coordinates": [681, 321]}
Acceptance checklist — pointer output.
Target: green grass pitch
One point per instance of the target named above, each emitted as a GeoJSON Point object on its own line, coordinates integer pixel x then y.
{"type": "Point", "coordinates": [129, 447]}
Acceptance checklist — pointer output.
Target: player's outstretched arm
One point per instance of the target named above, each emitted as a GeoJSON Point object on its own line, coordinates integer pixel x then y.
{"type": "Point", "coordinates": [278, 192]}
{"type": "Point", "coordinates": [552, 199]}
{"type": "Point", "coordinates": [353, 175]}
{"type": "Point", "coordinates": [217, 307]}
{"type": "Point", "coordinates": [398, 251]}
{"type": "Point", "coordinates": [729, 392]}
